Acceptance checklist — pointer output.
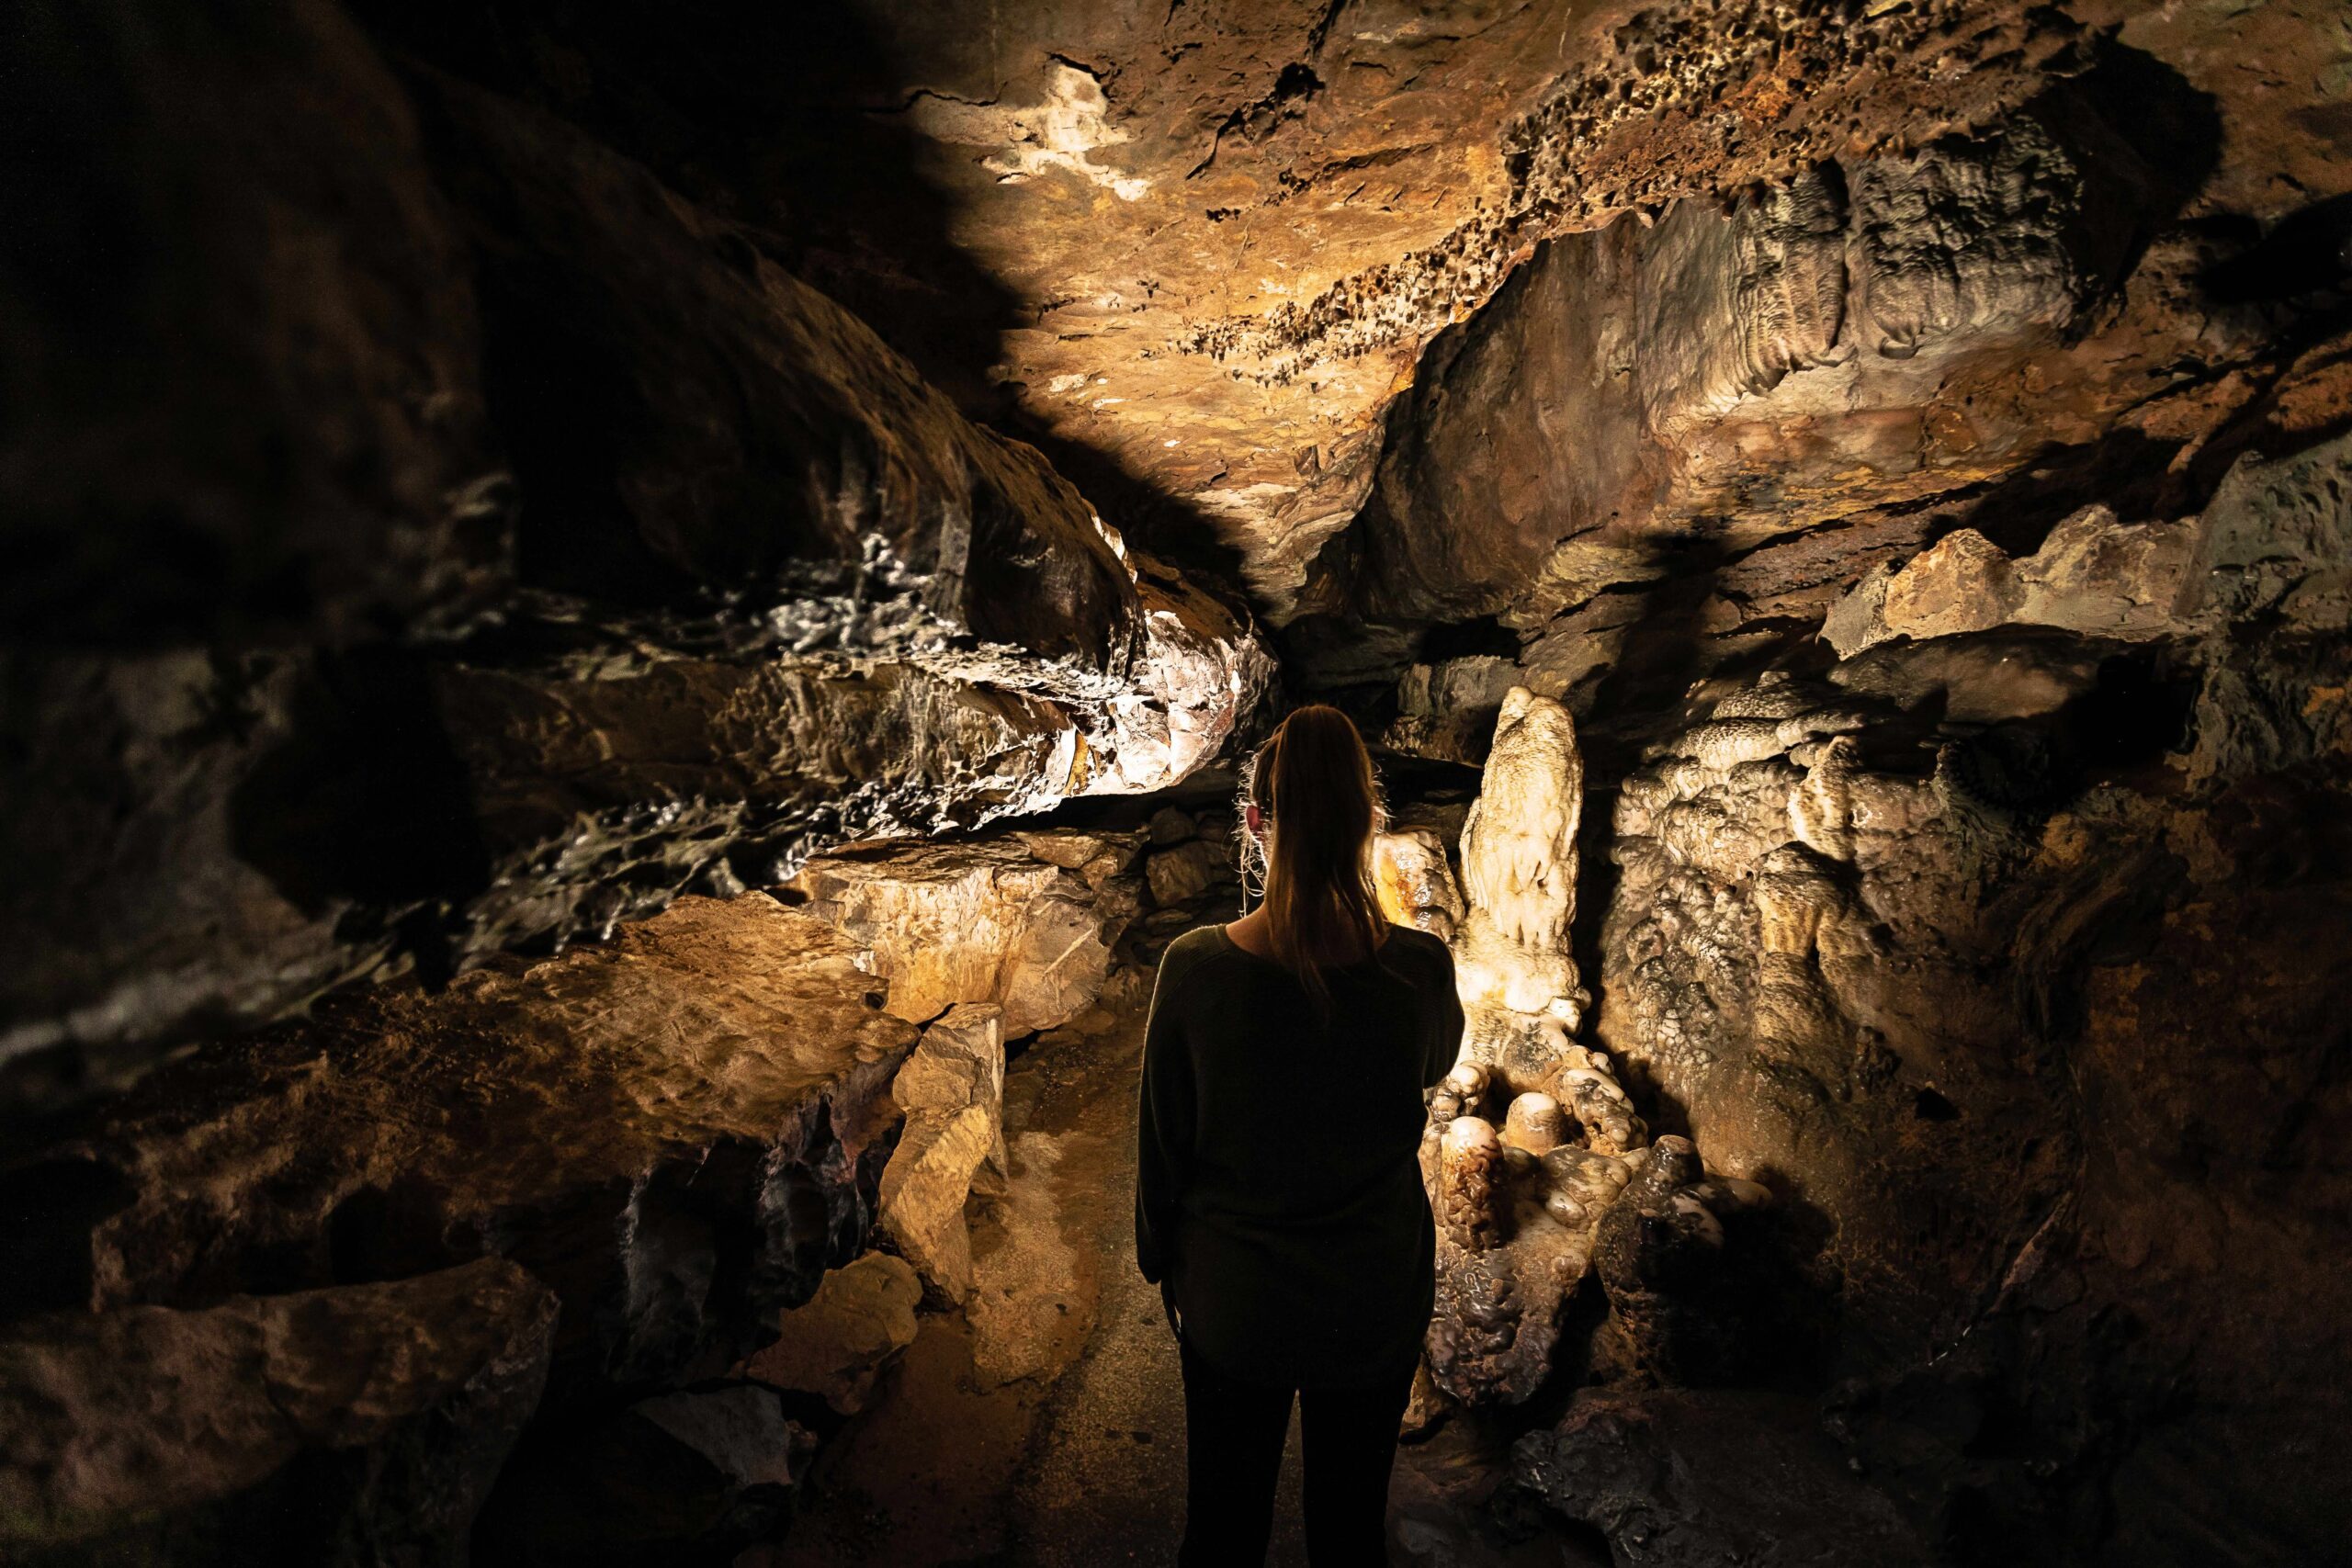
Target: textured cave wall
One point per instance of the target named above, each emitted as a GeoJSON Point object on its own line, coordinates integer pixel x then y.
{"type": "Point", "coordinates": [1050, 213]}
{"type": "Point", "coordinates": [1672, 441]}
{"type": "Point", "coordinates": [1941, 551]}
{"type": "Point", "coordinates": [442, 538]}
{"type": "Point", "coordinates": [473, 474]}
{"type": "Point", "coordinates": [2035, 1016]}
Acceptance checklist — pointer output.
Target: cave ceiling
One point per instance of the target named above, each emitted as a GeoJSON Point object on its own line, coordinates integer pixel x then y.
{"type": "Point", "coordinates": [1195, 250]}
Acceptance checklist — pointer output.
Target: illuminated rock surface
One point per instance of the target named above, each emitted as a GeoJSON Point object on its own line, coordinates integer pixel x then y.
{"type": "Point", "coordinates": [1006, 923]}
{"type": "Point", "coordinates": [679, 1132]}
{"type": "Point", "coordinates": [623, 619]}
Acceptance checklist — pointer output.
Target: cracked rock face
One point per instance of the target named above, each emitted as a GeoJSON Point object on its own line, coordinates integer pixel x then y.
{"type": "Point", "coordinates": [360, 1425]}
{"type": "Point", "coordinates": [679, 1132]}
{"type": "Point", "coordinates": [1952, 988]}
{"type": "Point", "coordinates": [1024, 922]}
{"type": "Point", "coordinates": [745, 583]}
{"type": "Point", "coordinates": [1053, 204]}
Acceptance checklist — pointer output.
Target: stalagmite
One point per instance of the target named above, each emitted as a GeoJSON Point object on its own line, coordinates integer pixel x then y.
{"type": "Point", "coordinates": [1506, 1272]}
{"type": "Point", "coordinates": [1470, 1210]}
{"type": "Point", "coordinates": [1518, 865]}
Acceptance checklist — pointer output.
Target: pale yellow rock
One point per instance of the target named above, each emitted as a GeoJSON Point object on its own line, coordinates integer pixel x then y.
{"type": "Point", "coordinates": [1518, 865]}
{"type": "Point", "coordinates": [990, 920]}
{"type": "Point", "coordinates": [952, 1090]}
{"type": "Point", "coordinates": [923, 1190]}
{"type": "Point", "coordinates": [1416, 881]}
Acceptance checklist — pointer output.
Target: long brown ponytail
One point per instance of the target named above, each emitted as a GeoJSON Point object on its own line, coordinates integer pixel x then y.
{"type": "Point", "coordinates": [1313, 787]}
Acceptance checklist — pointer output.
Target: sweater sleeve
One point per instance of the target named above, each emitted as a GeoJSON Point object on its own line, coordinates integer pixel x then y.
{"type": "Point", "coordinates": [1163, 1128]}
{"type": "Point", "coordinates": [1445, 1021]}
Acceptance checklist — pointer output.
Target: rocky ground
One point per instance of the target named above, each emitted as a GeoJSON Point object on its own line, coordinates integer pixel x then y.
{"type": "Point", "coordinates": [1059, 1384]}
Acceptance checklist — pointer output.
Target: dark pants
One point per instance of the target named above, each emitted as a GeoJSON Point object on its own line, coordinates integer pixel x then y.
{"type": "Point", "coordinates": [1233, 1456]}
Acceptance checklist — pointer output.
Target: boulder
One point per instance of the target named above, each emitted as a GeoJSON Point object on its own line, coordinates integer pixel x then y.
{"type": "Point", "coordinates": [1168, 826]}
{"type": "Point", "coordinates": [678, 1131]}
{"type": "Point", "coordinates": [1447, 710]}
{"type": "Point", "coordinates": [358, 1426]}
{"type": "Point", "coordinates": [952, 1088]}
{"type": "Point", "coordinates": [836, 1344]}
{"type": "Point", "coordinates": [986, 921]}
{"type": "Point", "coordinates": [1188, 869]}
{"type": "Point", "coordinates": [2093, 574]}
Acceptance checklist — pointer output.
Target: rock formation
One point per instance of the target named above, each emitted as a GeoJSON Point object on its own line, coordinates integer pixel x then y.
{"type": "Point", "coordinates": [679, 1132]}
{"type": "Point", "coordinates": [360, 1423]}
{"type": "Point", "coordinates": [615, 612]}
{"type": "Point", "coordinates": [1025, 922]}
{"type": "Point", "coordinates": [844, 1336]}
{"type": "Point", "coordinates": [1520, 1213]}
{"type": "Point", "coordinates": [952, 1091]}
{"type": "Point", "coordinates": [660, 568]}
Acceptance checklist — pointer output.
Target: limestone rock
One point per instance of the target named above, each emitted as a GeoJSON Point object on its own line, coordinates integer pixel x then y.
{"type": "Point", "coordinates": [1518, 864]}
{"type": "Point", "coordinates": [978, 922]}
{"type": "Point", "coordinates": [1414, 876]}
{"type": "Point", "coordinates": [2276, 539]}
{"type": "Point", "coordinates": [676, 1131]}
{"type": "Point", "coordinates": [1710, 1480]}
{"type": "Point", "coordinates": [1256, 405]}
{"type": "Point", "coordinates": [922, 1198]}
{"type": "Point", "coordinates": [360, 1425]}
{"type": "Point", "coordinates": [1447, 710]}
{"type": "Point", "coordinates": [838, 1342]}
{"type": "Point", "coordinates": [1188, 869]}
{"type": "Point", "coordinates": [1168, 826]}
{"type": "Point", "coordinates": [952, 1090]}
{"type": "Point", "coordinates": [960, 1062]}
{"type": "Point", "coordinates": [1817, 965]}
{"type": "Point", "coordinates": [2092, 574]}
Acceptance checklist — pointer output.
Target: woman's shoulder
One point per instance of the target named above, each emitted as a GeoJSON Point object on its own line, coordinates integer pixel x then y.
{"type": "Point", "coordinates": [1198, 949]}
{"type": "Point", "coordinates": [1421, 944]}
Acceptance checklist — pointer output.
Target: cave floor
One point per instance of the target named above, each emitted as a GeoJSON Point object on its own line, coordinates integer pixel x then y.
{"type": "Point", "coordinates": [1044, 1426]}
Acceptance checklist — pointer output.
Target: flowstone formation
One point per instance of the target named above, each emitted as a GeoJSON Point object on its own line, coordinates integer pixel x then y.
{"type": "Point", "coordinates": [2006, 950]}
{"type": "Point", "coordinates": [1533, 1149]}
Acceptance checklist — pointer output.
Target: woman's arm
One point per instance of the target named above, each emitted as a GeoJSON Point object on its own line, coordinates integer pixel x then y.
{"type": "Point", "coordinates": [1163, 1128]}
{"type": "Point", "coordinates": [1445, 1022]}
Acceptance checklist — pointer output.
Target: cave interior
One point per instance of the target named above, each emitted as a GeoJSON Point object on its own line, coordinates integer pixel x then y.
{"type": "Point", "coordinates": [630, 628]}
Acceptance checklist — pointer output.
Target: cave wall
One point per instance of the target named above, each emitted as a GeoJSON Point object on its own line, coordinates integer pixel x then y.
{"type": "Point", "coordinates": [496, 493]}
{"type": "Point", "coordinates": [442, 538]}
{"type": "Point", "coordinates": [1942, 555]}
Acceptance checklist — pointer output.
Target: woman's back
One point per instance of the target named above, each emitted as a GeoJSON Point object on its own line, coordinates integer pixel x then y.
{"type": "Point", "coordinates": [1280, 1184]}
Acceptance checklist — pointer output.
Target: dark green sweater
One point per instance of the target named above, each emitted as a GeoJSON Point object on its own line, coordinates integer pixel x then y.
{"type": "Point", "coordinates": [1278, 1186]}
